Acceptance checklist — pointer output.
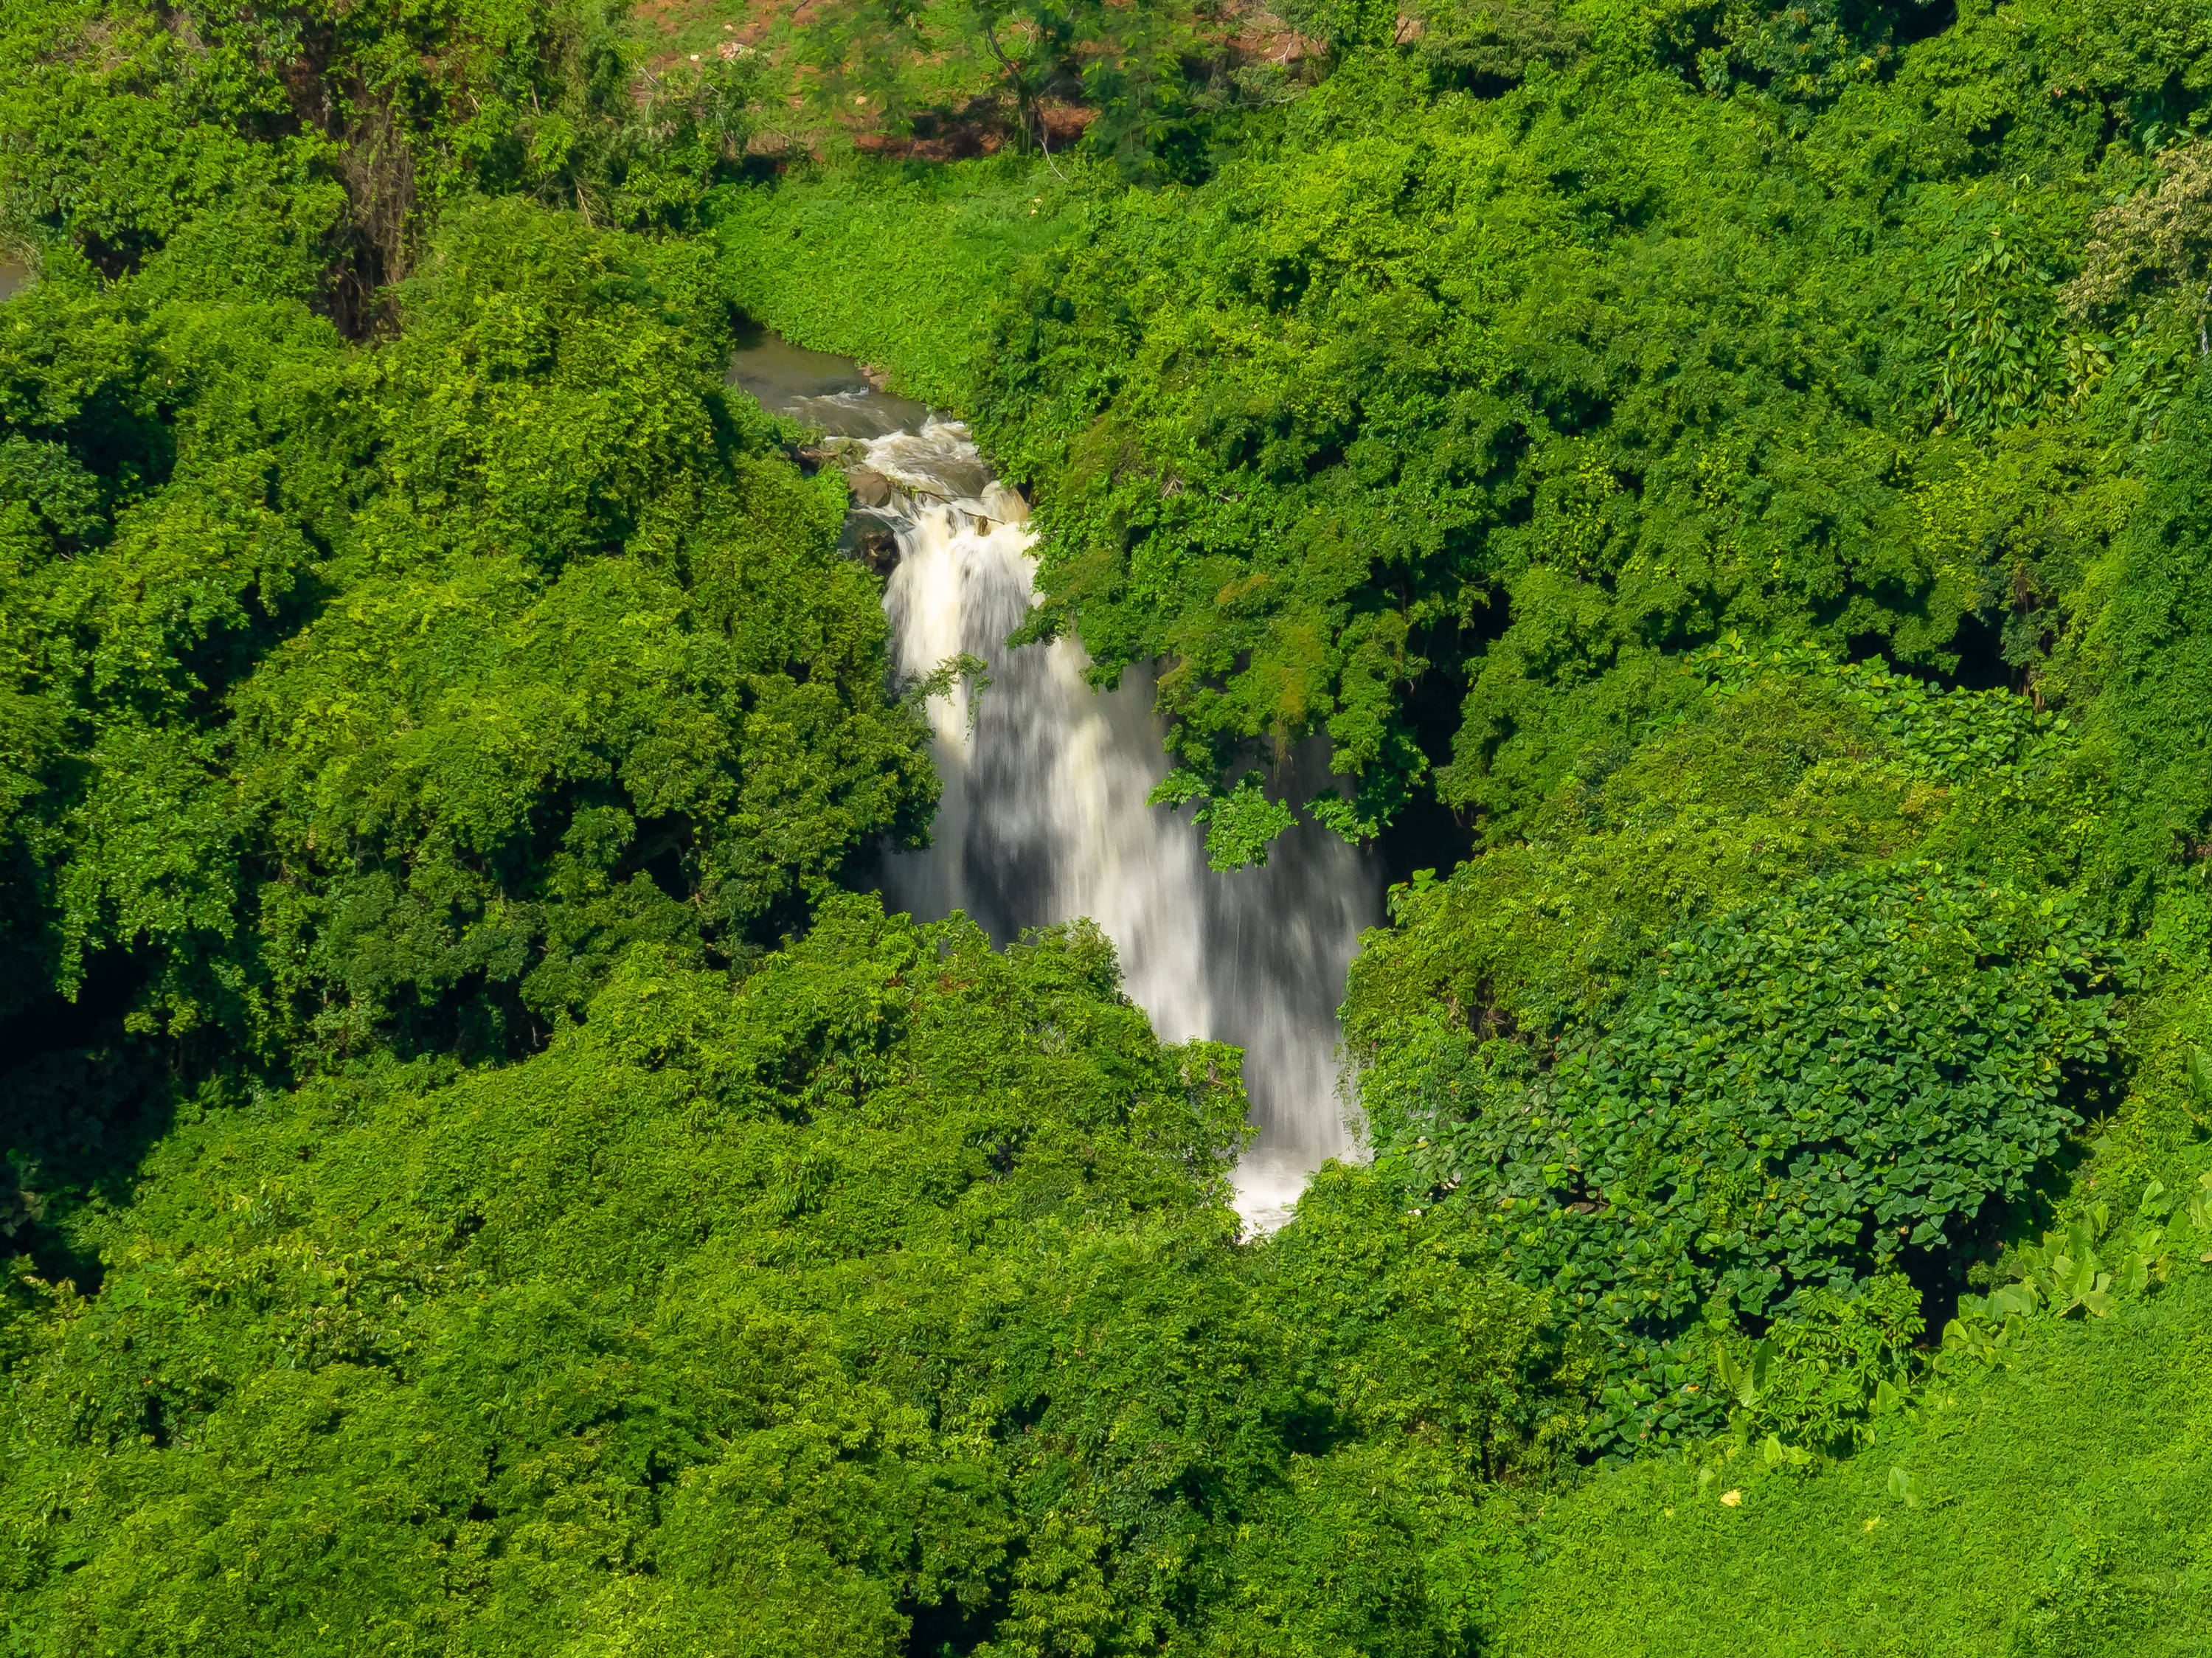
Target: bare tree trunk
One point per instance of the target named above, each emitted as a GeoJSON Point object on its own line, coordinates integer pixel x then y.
{"type": "Point", "coordinates": [1025, 104]}
{"type": "Point", "coordinates": [379, 174]}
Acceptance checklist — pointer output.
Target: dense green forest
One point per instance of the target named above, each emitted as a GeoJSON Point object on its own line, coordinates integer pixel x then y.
{"type": "Point", "coordinates": [1730, 482]}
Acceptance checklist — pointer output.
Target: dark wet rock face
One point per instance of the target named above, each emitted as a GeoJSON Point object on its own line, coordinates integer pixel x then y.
{"type": "Point", "coordinates": [875, 545]}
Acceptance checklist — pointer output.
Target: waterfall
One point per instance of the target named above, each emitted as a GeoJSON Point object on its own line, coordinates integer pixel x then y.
{"type": "Point", "coordinates": [1043, 818]}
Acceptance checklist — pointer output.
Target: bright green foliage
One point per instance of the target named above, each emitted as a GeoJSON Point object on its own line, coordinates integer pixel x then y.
{"type": "Point", "coordinates": [1699, 788]}
{"type": "Point", "coordinates": [897, 266]}
{"type": "Point", "coordinates": [2071, 1272]}
{"type": "Point", "coordinates": [1811, 1089]}
{"type": "Point", "coordinates": [685, 1279]}
{"type": "Point", "coordinates": [541, 776]}
{"type": "Point", "coordinates": [686, 742]}
{"type": "Point", "coordinates": [1819, 1375]}
{"type": "Point", "coordinates": [132, 131]}
{"type": "Point", "coordinates": [2155, 245]}
{"type": "Point", "coordinates": [405, 750]}
{"type": "Point", "coordinates": [890, 1292]}
{"type": "Point", "coordinates": [226, 146]}
{"type": "Point", "coordinates": [492, 1191]}
{"type": "Point", "coordinates": [192, 468]}
{"type": "Point", "coordinates": [1241, 823]}
{"type": "Point", "coordinates": [1517, 387]}
{"type": "Point", "coordinates": [2059, 1505]}
{"type": "Point", "coordinates": [554, 392]}
{"type": "Point", "coordinates": [2157, 649]}
{"type": "Point", "coordinates": [1408, 1332]}
{"type": "Point", "coordinates": [1715, 1036]}
{"type": "Point", "coordinates": [180, 477]}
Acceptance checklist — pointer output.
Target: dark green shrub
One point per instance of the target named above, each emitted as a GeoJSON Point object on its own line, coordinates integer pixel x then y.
{"type": "Point", "coordinates": [1812, 1092]}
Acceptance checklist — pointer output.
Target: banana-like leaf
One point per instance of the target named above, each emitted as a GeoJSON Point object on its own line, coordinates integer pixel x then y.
{"type": "Point", "coordinates": [2011, 1299]}
{"type": "Point", "coordinates": [2198, 1065]}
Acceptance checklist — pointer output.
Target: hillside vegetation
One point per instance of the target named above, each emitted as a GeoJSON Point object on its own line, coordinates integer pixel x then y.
{"type": "Point", "coordinates": [1731, 484]}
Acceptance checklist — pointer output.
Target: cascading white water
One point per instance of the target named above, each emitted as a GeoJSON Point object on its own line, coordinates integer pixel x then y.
{"type": "Point", "coordinates": [1044, 817]}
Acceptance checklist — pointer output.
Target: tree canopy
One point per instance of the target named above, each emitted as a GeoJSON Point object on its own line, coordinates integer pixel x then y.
{"type": "Point", "coordinates": [480, 1169]}
{"type": "Point", "coordinates": [1505, 385]}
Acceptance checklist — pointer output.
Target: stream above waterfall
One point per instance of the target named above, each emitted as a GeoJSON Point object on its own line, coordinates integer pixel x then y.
{"type": "Point", "coordinates": [1044, 819]}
